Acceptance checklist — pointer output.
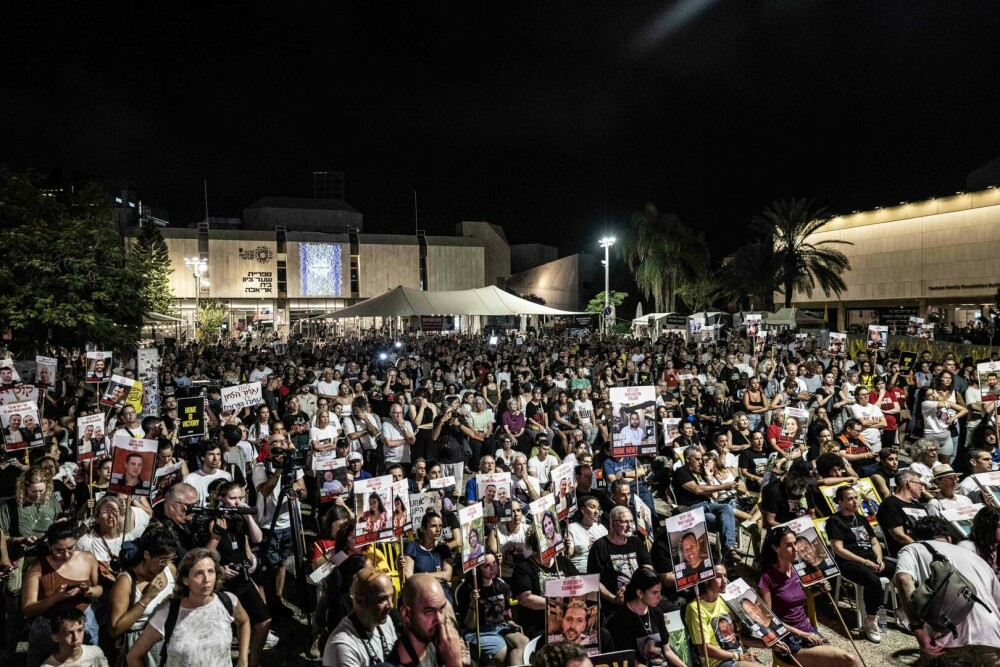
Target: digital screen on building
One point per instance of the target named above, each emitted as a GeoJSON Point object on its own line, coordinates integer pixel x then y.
{"type": "Point", "coordinates": [321, 269]}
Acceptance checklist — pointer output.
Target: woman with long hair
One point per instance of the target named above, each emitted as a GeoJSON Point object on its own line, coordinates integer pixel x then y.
{"type": "Point", "coordinates": [374, 518]}
{"type": "Point", "coordinates": [429, 554]}
{"type": "Point", "coordinates": [639, 620]}
{"type": "Point", "coordinates": [780, 589]}
{"type": "Point", "coordinates": [260, 429]}
{"type": "Point", "coordinates": [984, 535]}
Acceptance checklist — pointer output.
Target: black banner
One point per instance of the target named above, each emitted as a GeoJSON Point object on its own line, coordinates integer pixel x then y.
{"type": "Point", "coordinates": [191, 411]}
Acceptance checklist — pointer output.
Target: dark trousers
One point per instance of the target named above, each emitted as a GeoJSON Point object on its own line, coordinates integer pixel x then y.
{"type": "Point", "coordinates": [864, 576]}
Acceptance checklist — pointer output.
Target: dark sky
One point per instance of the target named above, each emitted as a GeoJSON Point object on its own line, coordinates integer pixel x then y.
{"type": "Point", "coordinates": [553, 119]}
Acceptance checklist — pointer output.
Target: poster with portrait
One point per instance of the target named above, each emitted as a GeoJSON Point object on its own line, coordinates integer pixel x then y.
{"type": "Point", "coordinates": [550, 539]}
{"type": "Point", "coordinates": [709, 333]}
{"type": "Point", "coordinates": [913, 326]}
{"type": "Point", "coordinates": [753, 324]}
{"type": "Point", "coordinates": [372, 503]}
{"type": "Point", "coordinates": [960, 519]}
{"type": "Point", "coordinates": [117, 391]}
{"type": "Point", "coordinates": [191, 413]}
{"type": "Point", "coordinates": [134, 461]}
{"type": "Point", "coordinates": [163, 479]}
{"type": "Point", "coordinates": [838, 343]}
{"type": "Point", "coordinates": [91, 442]}
{"type": "Point", "coordinates": [45, 372]}
{"type": "Point", "coordinates": [494, 492]}
{"type": "Point", "coordinates": [679, 639]}
{"type": "Point", "coordinates": [753, 613]}
{"type": "Point", "coordinates": [564, 488]}
{"type": "Point", "coordinates": [689, 549]}
{"type": "Point", "coordinates": [573, 611]}
{"type": "Point", "coordinates": [813, 563]}
{"type": "Point", "coordinates": [402, 519]}
{"type": "Point", "coordinates": [633, 421]}
{"type": "Point", "coordinates": [98, 366]}
{"type": "Point", "coordinates": [989, 482]}
{"type": "Point", "coordinates": [927, 331]}
{"type": "Point", "coordinates": [671, 429]}
{"type": "Point", "coordinates": [878, 337]}
{"type": "Point", "coordinates": [331, 476]}
{"type": "Point", "coordinates": [643, 517]}
{"type": "Point", "coordinates": [989, 380]}
{"type": "Point", "coordinates": [868, 498]}
{"type": "Point", "coordinates": [694, 330]}
{"type": "Point", "coordinates": [794, 424]}
{"type": "Point", "coordinates": [444, 487]}
{"type": "Point", "coordinates": [8, 374]}
{"type": "Point", "coordinates": [21, 426]}
{"type": "Point", "coordinates": [473, 536]}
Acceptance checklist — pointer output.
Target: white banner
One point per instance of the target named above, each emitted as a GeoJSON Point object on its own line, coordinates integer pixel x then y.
{"type": "Point", "coordinates": [242, 396]}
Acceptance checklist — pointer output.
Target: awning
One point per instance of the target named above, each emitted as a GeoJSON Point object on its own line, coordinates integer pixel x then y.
{"type": "Point", "coordinates": [159, 317]}
{"type": "Point", "coordinates": [405, 302]}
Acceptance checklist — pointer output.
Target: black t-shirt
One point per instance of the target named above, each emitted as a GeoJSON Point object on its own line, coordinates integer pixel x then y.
{"type": "Point", "coordinates": [293, 419]}
{"type": "Point", "coordinates": [494, 601]}
{"type": "Point", "coordinates": [855, 533]}
{"type": "Point", "coordinates": [756, 463]}
{"type": "Point", "coordinates": [682, 476]}
{"type": "Point", "coordinates": [449, 442]}
{"type": "Point", "coordinates": [629, 632]}
{"type": "Point", "coordinates": [616, 564]}
{"type": "Point", "coordinates": [531, 577]}
{"type": "Point", "coordinates": [774, 498]}
{"type": "Point", "coordinates": [892, 514]}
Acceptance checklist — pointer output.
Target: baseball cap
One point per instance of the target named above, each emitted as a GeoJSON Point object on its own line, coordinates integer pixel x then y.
{"type": "Point", "coordinates": [354, 456]}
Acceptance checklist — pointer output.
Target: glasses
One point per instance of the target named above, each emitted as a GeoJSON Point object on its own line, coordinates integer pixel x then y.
{"type": "Point", "coordinates": [624, 522]}
{"type": "Point", "coordinates": [109, 513]}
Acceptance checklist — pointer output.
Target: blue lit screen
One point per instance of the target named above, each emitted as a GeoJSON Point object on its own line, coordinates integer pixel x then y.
{"type": "Point", "coordinates": [321, 269]}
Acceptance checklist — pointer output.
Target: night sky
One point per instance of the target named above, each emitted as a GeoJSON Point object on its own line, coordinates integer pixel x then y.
{"type": "Point", "coordinates": [553, 119]}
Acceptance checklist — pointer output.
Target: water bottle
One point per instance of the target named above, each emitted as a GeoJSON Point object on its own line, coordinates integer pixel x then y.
{"type": "Point", "coordinates": [883, 621]}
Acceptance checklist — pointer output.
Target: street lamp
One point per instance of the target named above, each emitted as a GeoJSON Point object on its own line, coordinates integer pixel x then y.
{"type": "Point", "coordinates": [197, 266]}
{"type": "Point", "coordinates": [606, 243]}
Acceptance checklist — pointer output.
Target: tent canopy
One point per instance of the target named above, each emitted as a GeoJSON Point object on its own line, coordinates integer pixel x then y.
{"type": "Point", "coordinates": [159, 317]}
{"type": "Point", "coordinates": [405, 302]}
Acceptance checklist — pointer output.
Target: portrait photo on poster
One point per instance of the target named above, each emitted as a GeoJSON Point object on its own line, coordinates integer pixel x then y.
{"type": "Point", "coordinates": [494, 493]}
{"type": "Point", "coordinates": [813, 562]}
{"type": "Point", "coordinates": [473, 536]}
{"type": "Point", "coordinates": [98, 366]}
{"type": "Point", "coordinates": [687, 533]}
{"type": "Point", "coordinates": [633, 420]}
{"type": "Point", "coordinates": [133, 465]}
{"type": "Point", "coordinates": [753, 613]}
{"type": "Point", "coordinates": [372, 502]}
{"type": "Point", "coordinates": [572, 611]}
{"type": "Point", "coordinates": [550, 539]}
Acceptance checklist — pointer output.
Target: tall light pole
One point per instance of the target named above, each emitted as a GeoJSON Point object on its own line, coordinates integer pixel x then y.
{"type": "Point", "coordinates": [197, 266]}
{"type": "Point", "coordinates": [606, 243]}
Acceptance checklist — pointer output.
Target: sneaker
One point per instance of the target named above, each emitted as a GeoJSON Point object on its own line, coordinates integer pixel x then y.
{"type": "Point", "coordinates": [271, 641]}
{"type": "Point", "coordinates": [871, 630]}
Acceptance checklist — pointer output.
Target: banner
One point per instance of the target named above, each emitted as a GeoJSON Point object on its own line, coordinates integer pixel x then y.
{"type": "Point", "coordinates": [563, 486]}
{"type": "Point", "coordinates": [242, 396]}
{"type": "Point", "coordinates": [473, 536]}
{"type": "Point", "coordinates": [813, 563]}
{"type": "Point", "coordinates": [90, 438]}
{"type": "Point", "coordinates": [494, 492]}
{"type": "Point", "coordinates": [550, 540]}
{"type": "Point", "coordinates": [191, 412]}
{"type": "Point", "coordinates": [989, 386]}
{"type": "Point", "coordinates": [573, 611]}
{"type": "Point", "coordinates": [21, 428]}
{"type": "Point", "coordinates": [633, 421]}
{"type": "Point", "coordinates": [689, 549]}
{"type": "Point", "coordinates": [98, 366]}
{"type": "Point", "coordinates": [751, 610]}
{"type": "Point", "coordinates": [371, 498]}
{"type": "Point", "coordinates": [45, 372]}
{"type": "Point", "coordinates": [163, 479]}
{"type": "Point", "coordinates": [117, 391]}
{"type": "Point", "coordinates": [133, 466]}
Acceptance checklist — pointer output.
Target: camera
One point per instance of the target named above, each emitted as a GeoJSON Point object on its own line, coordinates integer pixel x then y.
{"type": "Point", "coordinates": [203, 517]}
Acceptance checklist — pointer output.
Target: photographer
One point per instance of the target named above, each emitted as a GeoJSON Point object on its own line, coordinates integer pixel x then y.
{"type": "Point", "coordinates": [451, 431]}
{"type": "Point", "coordinates": [272, 508]}
{"type": "Point", "coordinates": [173, 515]}
{"type": "Point", "coordinates": [231, 534]}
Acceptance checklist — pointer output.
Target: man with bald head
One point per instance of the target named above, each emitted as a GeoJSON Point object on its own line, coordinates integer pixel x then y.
{"type": "Point", "coordinates": [430, 632]}
{"type": "Point", "coordinates": [367, 634]}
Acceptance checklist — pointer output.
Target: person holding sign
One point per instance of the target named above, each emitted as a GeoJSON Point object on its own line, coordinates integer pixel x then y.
{"type": "Point", "coordinates": [486, 605]}
{"type": "Point", "coordinates": [858, 554]}
{"type": "Point", "coordinates": [691, 490]}
{"type": "Point", "coordinates": [616, 557]}
{"type": "Point", "coordinates": [639, 624]}
{"type": "Point", "coordinates": [780, 590]}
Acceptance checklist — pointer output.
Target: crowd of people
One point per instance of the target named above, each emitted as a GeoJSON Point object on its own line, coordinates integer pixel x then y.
{"type": "Point", "coordinates": [92, 576]}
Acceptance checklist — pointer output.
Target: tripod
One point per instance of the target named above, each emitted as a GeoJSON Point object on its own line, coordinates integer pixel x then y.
{"type": "Point", "coordinates": [287, 493]}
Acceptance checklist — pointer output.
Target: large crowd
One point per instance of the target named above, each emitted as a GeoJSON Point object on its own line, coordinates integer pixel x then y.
{"type": "Point", "coordinates": [94, 577]}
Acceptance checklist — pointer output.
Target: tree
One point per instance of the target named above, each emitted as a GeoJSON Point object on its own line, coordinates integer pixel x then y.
{"type": "Point", "coordinates": [67, 278]}
{"type": "Point", "coordinates": [152, 250]}
{"type": "Point", "coordinates": [801, 264]}
{"type": "Point", "coordinates": [211, 316]}
{"type": "Point", "coordinates": [661, 251]}
{"type": "Point", "coordinates": [748, 276]}
{"type": "Point", "coordinates": [701, 292]}
{"type": "Point", "coordinates": [596, 305]}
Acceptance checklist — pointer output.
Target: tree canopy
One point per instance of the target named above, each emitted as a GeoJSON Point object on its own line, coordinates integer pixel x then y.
{"type": "Point", "coordinates": [152, 250]}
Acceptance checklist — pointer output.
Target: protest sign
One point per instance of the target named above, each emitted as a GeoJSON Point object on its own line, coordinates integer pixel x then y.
{"type": "Point", "coordinates": [19, 393]}
{"type": "Point", "coordinates": [163, 479]}
{"type": "Point", "coordinates": [759, 344]}
{"type": "Point", "coordinates": [753, 324]}
{"type": "Point", "coordinates": [960, 519]}
{"type": "Point", "coordinates": [671, 429]}
{"type": "Point", "coordinates": [615, 659]}
{"type": "Point", "coordinates": [494, 492]}
{"type": "Point", "coordinates": [45, 372]}
{"type": "Point", "coordinates": [98, 366]}
{"type": "Point", "coordinates": [21, 427]}
{"type": "Point", "coordinates": [813, 563]}
{"type": "Point", "coordinates": [678, 636]}
{"type": "Point", "coordinates": [838, 343]}
{"type": "Point", "coordinates": [689, 550]}
{"type": "Point", "coordinates": [927, 331]}
{"type": "Point", "coordinates": [643, 517]}
{"type": "Point", "coordinates": [8, 374]}
{"type": "Point", "coordinates": [117, 391]}
{"type": "Point", "coordinates": [573, 611]}
{"type": "Point", "coordinates": [402, 520]}
{"type": "Point", "coordinates": [913, 326]}
{"type": "Point", "coordinates": [868, 498]}
{"type": "Point", "coordinates": [473, 536]}
{"type": "Point", "coordinates": [755, 615]}
{"type": "Point", "coordinates": [374, 522]}
{"type": "Point", "coordinates": [989, 482]}
{"type": "Point", "coordinates": [242, 396]}
{"type": "Point", "coordinates": [135, 398]}
{"type": "Point", "coordinates": [331, 475]}
{"type": "Point", "coordinates": [794, 425]}
{"type": "Point", "coordinates": [420, 503]}
{"type": "Point", "coordinates": [550, 540]}
{"type": "Point", "coordinates": [878, 336]}
{"type": "Point", "coordinates": [633, 421]}
{"type": "Point", "coordinates": [907, 360]}
{"type": "Point", "coordinates": [564, 488]}
{"type": "Point", "coordinates": [134, 461]}
{"type": "Point", "coordinates": [90, 439]}
{"type": "Point", "coordinates": [989, 385]}
{"type": "Point", "coordinates": [191, 411]}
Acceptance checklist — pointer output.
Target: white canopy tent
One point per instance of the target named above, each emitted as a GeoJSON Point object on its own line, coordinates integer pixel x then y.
{"type": "Point", "coordinates": [408, 302]}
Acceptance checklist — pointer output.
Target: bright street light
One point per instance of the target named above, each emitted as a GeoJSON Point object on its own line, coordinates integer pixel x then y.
{"type": "Point", "coordinates": [197, 266]}
{"type": "Point", "coordinates": [606, 243]}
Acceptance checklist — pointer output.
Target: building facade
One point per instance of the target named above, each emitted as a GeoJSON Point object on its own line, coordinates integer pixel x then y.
{"type": "Point", "coordinates": [566, 283]}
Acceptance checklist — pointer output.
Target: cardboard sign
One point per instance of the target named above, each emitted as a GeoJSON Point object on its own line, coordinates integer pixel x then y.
{"type": "Point", "coordinates": [814, 563]}
{"type": "Point", "coordinates": [473, 536]}
{"type": "Point", "coordinates": [989, 380]}
{"type": "Point", "coordinates": [117, 391]}
{"type": "Point", "coordinates": [573, 611]}
{"type": "Point", "coordinates": [163, 479]}
{"type": "Point", "coordinates": [494, 492]}
{"type": "Point", "coordinates": [372, 503]}
{"type": "Point", "coordinates": [794, 425]}
{"type": "Point", "coordinates": [19, 393]}
{"type": "Point", "coordinates": [878, 337]}
{"type": "Point", "coordinates": [20, 425]}
{"type": "Point", "coordinates": [564, 488]}
{"type": "Point", "coordinates": [420, 504]}
{"type": "Point", "coordinates": [242, 396]}
{"type": "Point", "coordinates": [402, 520]}
{"type": "Point", "coordinates": [133, 467]}
{"type": "Point", "coordinates": [45, 372]}
{"type": "Point", "coordinates": [689, 549]}
{"type": "Point", "coordinates": [755, 615]}
{"type": "Point", "coordinates": [91, 441]}
{"type": "Point", "coordinates": [633, 421]}
{"type": "Point", "coordinates": [191, 412]}
{"type": "Point", "coordinates": [98, 366]}
{"type": "Point", "coordinates": [550, 539]}
{"type": "Point", "coordinates": [331, 476]}
{"type": "Point", "coordinates": [838, 343]}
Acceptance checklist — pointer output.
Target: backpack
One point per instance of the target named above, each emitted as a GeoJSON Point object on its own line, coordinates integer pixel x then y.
{"type": "Point", "coordinates": [172, 613]}
{"type": "Point", "coordinates": [946, 598]}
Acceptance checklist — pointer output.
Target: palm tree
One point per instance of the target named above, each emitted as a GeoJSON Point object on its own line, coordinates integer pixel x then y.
{"type": "Point", "coordinates": [661, 252]}
{"type": "Point", "coordinates": [799, 262]}
{"type": "Point", "coordinates": [748, 276]}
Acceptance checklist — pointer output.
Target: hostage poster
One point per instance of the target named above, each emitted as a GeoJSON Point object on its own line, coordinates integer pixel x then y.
{"type": "Point", "coordinates": [572, 611]}
{"type": "Point", "coordinates": [633, 421]}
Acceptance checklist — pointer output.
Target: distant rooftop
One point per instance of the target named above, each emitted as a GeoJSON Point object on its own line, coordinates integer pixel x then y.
{"type": "Point", "coordinates": [304, 204]}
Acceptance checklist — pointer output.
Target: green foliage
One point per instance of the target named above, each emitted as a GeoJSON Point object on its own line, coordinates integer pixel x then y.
{"type": "Point", "coordinates": [701, 292]}
{"type": "Point", "coordinates": [151, 249]}
{"type": "Point", "coordinates": [211, 315]}
{"type": "Point", "coordinates": [67, 278]}
{"type": "Point", "coordinates": [596, 305]}
{"type": "Point", "coordinates": [748, 275]}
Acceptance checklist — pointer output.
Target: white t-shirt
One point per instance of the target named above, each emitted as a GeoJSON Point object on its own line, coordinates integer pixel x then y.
{"type": "Point", "coordinates": [330, 389]}
{"type": "Point", "coordinates": [257, 374]}
{"type": "Point", "coordinates": [871, 435]}
{"type": "Point", "coordinates": [200, 480]}
{"type": "Point", "coordinates": [345, 648]}
{"type": "Point", "coordinates": [100, 547]}
{"type": "Point", "coordinates": [938, 506]}
{"type": "Point", "coordinates": [92, 656]}
{"type": "Point", "coordinates": [540, 469]}
{"type": "Point", "coordinates": [585, 409]}
{"type": "Point", "coordinates": [202, 636]}
{"type": "Point", "coordinates": [391, 432]}
{"type": "Point", "coordinates": [981, 626]}
{"type": "Point", "coordinates": [583, 539]}
{"type": "Point", "coordinates": [329, 433]}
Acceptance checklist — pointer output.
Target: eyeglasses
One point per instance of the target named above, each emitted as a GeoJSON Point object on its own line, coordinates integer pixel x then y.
{"type": "Point", "coordinates": [109, 513]}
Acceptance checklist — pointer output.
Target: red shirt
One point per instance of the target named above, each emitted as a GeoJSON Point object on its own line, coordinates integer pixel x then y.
{"type": "Point", "coordinates": [888, 398]}
{"type": "Point", "coordinates": [774, 433]}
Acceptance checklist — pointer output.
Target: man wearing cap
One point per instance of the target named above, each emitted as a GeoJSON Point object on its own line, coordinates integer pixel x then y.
{"type": "Point", "coordinates": [947, 480]}
{"type": "Point", "coordinates": [354, 461]}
